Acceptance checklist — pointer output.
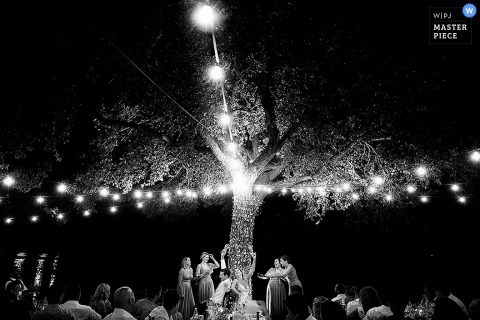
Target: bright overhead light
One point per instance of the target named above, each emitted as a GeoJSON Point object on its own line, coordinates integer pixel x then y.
{"type": "Point", "coordinates": [455, 187]}
{"type": "Point", "coordinates": [207, 191]}
{"type": "Point", "coordinates": [79, 199]}
{"type": "Point", "coordinates": [86, 213]}
{"type": "Point", "coordinates": [34, 218]}
{"type": "Point", "coordinates": [232, 146]}
{"type": "Point", "coordinates": [113, 209]}
{"type": "Point", "coordinates": [8, 220]}
{"type": "Point", "coordinates": [225, 119]}
{"type": "Point", "coordinates": [140, 205]}
{"type": "Point", "coordinates": [424, 199]}
{"type": "Point", "coordinates": [205, 16]}
{"type": "Point", "coordinates": [137, 194]}
{"type": "Point", "coordinates": [116, 197]}
{"type": "Point", "coordinates": [378, 180]}
{"type": "Point", "coordinates": [215, 73]}
{"type": "Point", "coordinates": [40, 200]}
{"type": "Point", "coordinates": [462, 199]}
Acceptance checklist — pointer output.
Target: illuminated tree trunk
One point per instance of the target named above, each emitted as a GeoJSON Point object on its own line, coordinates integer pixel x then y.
{"type": "Point", "coordinates": [241, 234]}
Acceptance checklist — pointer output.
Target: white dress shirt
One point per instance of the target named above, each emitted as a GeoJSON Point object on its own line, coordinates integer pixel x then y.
{"type": "Point", "coordinates": [81, 311]}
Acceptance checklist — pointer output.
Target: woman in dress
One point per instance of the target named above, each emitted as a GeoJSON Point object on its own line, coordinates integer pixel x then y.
{"type": "Point", "coordinates": [184, 288]}
{"type": "Point", "coordinates": [203, 274]}
{"type": "Point", "coordinates": [276, 293]}
{"type": "Point", "coordinates": [289, 273]}
{"type": "Point", "coordinates": [100, 302]}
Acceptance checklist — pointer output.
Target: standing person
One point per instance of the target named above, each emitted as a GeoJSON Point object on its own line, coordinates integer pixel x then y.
{"type": "Point", "coordinates": [100, 302]}
{"type": "Point", "coordinates": [203, 274]}
{"type": "Point", "coordinates": [289, 273]}
{"type": "Point", "coordinates": [184, 288]}
{"type": "Point", "coordinates": [276, 292]}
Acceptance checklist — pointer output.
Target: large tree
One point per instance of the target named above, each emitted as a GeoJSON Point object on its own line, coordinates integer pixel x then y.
{"type": "Point", "coordinates": [317, 110]}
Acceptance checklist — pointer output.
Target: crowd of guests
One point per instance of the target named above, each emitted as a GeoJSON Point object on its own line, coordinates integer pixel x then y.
{"type": "Point", "coordinates": [285, 299]}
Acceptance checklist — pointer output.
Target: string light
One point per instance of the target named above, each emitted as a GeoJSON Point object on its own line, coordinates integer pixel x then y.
{"type": "Point", "coordinates": [179, 192]}
{"type": "Point", "coordinates": [8, 220]}
{"type": "Point", "coordinates": [137, 194]}
{"type": "Point", "coordinates": [60, 216]}
{"type": "Point", "coordinates": [371, 189]}
{"type": "Point", "coordinates": [8, 181]}
{"type": "Point", "coordinates": [346, 186]}
{"type": "Point", "coordinates": [116, 197]}
{"type": "Point", "coordinates": [104, 192]}
{"type": "Point", "coordinates": [421, 171]}
{"type": "Point", "coordinates": [86, 213]}
{"type": "Point", "coordinates": [411, 189]}
{"type": "Point", "coordinates": [207, 191]}
{"type": "Point", "coordinates": [166, 200]}
{"type": "Point", "coordinates": [475, 156]}
{"type": "Point", "coordinates": [140, 205]}
{"type": "Point", "coordinates": [113, 209]}
{"type": "Point", "coordinates": [378, 180]}
{"type": "Point", "coordinates": [165, 194]}
{"type": "Point", "coordinates": [149, 194]}
{"type": "Point", "coordinates": [34, 218]}
{"type": "Point", "coordinates": [284, 190]}
{"type": "Point", "coordinates": [62, 188]}
{"type": "Point", "coordinates": [40, 200]}
{"type": "Point", "coordinates": [389, 197]}
{"type": "Point", "coordinates": [80, 199]}
{"type": "Point", "coordinates": [225, 119]}
{"type": "Point", "coordinates": [232, 146]}
{"type": "Point", "coordinates": [462, 199]}
{"type": "Point", "coordinates": [455, 187]}
{"type": "Point", "coordinates": [355, 196]}
{"type": "Point", "coordinates": [423, 199]}
{"type": "Point", "coordinates": [205, 16]}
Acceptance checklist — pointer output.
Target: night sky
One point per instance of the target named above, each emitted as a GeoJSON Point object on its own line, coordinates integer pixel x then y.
{"type": "Point", "coordinates": [41, 50]}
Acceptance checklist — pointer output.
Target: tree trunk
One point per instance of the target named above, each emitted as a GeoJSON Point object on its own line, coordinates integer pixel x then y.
{"type": "Point", "coordinates": [245, 209]}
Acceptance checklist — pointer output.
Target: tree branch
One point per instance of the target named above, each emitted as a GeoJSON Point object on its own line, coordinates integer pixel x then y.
{"type": "Point", "coordinates": [137, 126]}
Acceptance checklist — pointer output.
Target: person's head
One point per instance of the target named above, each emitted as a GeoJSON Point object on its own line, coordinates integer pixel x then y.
{"type": "Point", "coordinates": [474, 309]}
{"type": "Point", "coordinates": [351, 291]}
{"type": "Point", "coordinates": [186, 262]}
{"type": "Point", "coordinates": [276, 263]}
{"type": "Point", "coordinates": [238, 274]}
{"type": "Point", "coordinates": [339, 288]}
{"type": "Point", "coordinates": [285, 261]}
{"type": "Point", "coordinates": [15, 287]}
{"type": "Point", "coordinates": [123, 298]}
{"type": "Point", "coordinates": [102, 292]}
{"type": "Point", "coordinates": [332, 310]}
{"type": "Point", "coordinates": [224, 274]}
{"type": "Point", "coordinates": [297, 304]}
{"type": "Point", "coordinates": [397, 300]}
{"type": "Point", "coordinates": [316, 306]}
{"type": "Point", "coordinates": [72, 292]}
{"type": "Point", "coordinates": [368, 297]}
{"type": "Point", "coordinates": [205, 256]}
{"type": "Point", "coordinates": [55, 293]}
{"type": "Point", "coordinates": [447, 309]}
{"type": "Point", "coordinates": [170, 301]}
{"type": "Point", "coordinates": [296, 289]}
{"type": "Point", "coordinates": [154, 291]}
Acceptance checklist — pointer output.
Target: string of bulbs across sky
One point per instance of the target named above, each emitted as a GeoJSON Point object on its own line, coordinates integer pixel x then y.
{"type": "Point", "coordinates": [205, 17]}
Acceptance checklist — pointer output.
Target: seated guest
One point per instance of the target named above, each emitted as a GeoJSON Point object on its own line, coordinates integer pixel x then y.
{"type": "Point", "coordinates": [12, 306]}
{"type": "Point", "coordinates": [123, 300]}
{"type": "Point", "coordinates": [368, 298]}
{"type": "Point", "coordinates": [82, 312]}
{"type": "Point", "coordinates": [223, 287]}
{"type": "Point", "coordinates": [352, 306]}
{"type": "Point", "coordinates": [171, 301]}
{"type": "Point", "coordinates": [381, 311]}
{"type": "Point", "coordinates": [339, 290]}
{"type": "Point", "coordinates": [330, 310]}
{"type": "Point", "coordinates": [53, 310]}
{"type": "Point", "coordinates": [442, 290]}
{"type": "Point", "coordinates": [298, 307]}
{"type": "Point", "coordinates": [446, 309]}
{"type": "Point", "coordinates": [317, 305]}
{"type": "Point", "coordinates": [99, 301]}
{"type": "Point", "coordinates": [143, 307]}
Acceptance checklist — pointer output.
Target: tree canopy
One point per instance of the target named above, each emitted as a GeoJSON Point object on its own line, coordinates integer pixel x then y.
{"type": "Point", "coordinates": [315, 102]}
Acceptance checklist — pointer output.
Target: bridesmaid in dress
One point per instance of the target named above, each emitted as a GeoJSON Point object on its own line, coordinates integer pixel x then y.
{"type": "Point", "coordinates": [289, 273]}
{"type": "Point", "coordinates": [203, 274]}
{"type": "Point", "coordinates": [276, 293]}
{"type": "Point", "coordinates": [184, 288]}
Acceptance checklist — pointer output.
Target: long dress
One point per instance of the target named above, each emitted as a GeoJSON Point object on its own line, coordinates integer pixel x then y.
{"type": "Point", "coordinates": [205, 286]}
{"type": "Point", "coordinates": [276, 294]}
{"type": "Point", "coordinates": [293, 279]}
{"type": "Point", "coordinates": [185, 277]}
{"type": "Point", "coordinates": [251, 307]}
